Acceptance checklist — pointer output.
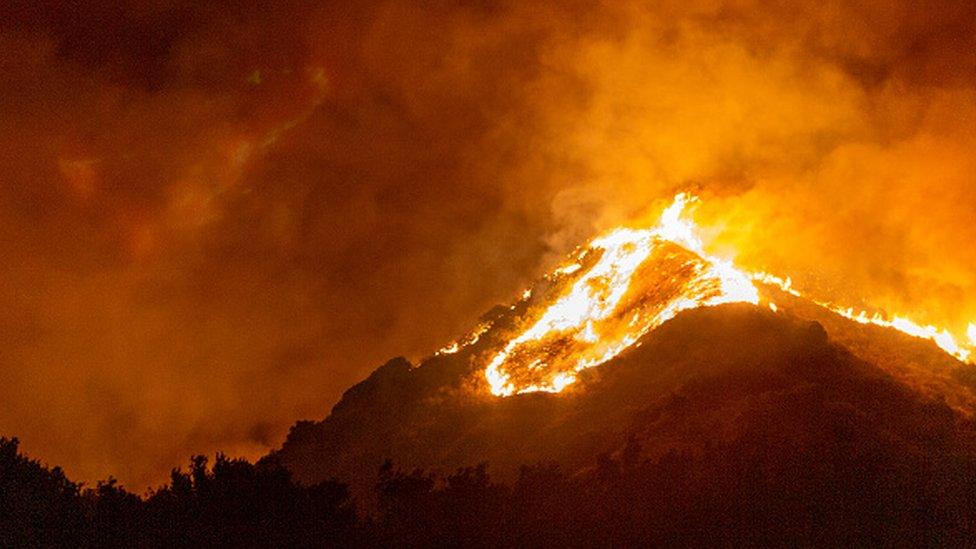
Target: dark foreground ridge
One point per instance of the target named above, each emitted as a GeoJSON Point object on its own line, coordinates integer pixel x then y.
{"type": "Point", "coordinates": [727, 426]}
{"type": "Point", "coordinates": [709, 377]}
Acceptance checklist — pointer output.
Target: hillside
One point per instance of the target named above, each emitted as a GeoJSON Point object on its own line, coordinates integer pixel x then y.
{"type": "Point", "coordinates": [771, 390]}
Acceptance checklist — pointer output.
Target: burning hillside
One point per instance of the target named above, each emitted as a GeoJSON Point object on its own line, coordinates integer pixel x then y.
{"type": "Point", "coordinates": [619, 287]}
{"type": "Point", "coordinates": [632, 323]}
{"type": "Point", "coordinates": [623, 284]}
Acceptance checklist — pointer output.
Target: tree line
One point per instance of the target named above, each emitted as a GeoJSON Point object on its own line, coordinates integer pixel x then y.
{"type": "Point", "coordinates": [745, 494]}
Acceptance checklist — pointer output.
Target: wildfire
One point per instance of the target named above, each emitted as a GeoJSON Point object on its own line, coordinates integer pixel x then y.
{"type": "Point", "coordinates": [941, 337]}
{"type": "Point", "coordinates": [629, 281]}
{"type": "Point", "coordinates": [639, 279]}
{"type": "Point", "coordinates": [469, 339]}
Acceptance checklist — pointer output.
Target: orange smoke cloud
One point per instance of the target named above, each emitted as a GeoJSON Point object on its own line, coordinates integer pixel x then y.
{"type": "Point", "coordinates": [212, 225]}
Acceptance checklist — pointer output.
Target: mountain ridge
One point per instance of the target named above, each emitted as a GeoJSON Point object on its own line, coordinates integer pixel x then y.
{"type": "Point", "coordinates": [710, 377]}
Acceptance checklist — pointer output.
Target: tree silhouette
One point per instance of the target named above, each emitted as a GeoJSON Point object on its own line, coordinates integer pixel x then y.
{"type": "Point", "coordinates": [853, 487]}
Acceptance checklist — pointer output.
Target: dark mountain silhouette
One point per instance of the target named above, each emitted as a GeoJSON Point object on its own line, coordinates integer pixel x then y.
{"type": "Point", "coordinates": [769, 396]}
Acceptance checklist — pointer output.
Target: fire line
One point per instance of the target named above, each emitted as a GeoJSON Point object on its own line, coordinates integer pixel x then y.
{"type": "Point", "coordinates": [627, 282]}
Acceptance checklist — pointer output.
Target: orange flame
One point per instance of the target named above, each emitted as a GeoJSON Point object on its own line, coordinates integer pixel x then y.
{"type": "Point", "coordinates": [629, 281]}
{"type": "Point", "coordinates": [941, 337]}
{"type": "Point", "coordinates": [600, 316]}
{"type": "Point", "coordinates": [469, 339]}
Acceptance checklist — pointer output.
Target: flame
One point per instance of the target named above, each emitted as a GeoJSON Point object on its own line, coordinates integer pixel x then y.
{"type": "Point", "coordinates": [603, 313]}
{"type": "Point", "coordinates": [783, 284]}
{"type": "Point", "coordinates": [568, 269]}
{"type": "Point", "coordinates": [465, 341]}
{"type": "Point", "coordinates": [941, 337]}
{"type": "Point", "coordinates": [629, 281]}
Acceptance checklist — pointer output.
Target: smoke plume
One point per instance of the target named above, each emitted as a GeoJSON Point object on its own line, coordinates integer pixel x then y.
{"type": "Point", "coordinates": [215, 218]}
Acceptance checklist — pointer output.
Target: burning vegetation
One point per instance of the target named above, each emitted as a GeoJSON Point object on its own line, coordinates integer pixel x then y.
{"type": "Point", "coordinates": [629, 281]}
{"type": "Point", "coordinates": [620, 286]}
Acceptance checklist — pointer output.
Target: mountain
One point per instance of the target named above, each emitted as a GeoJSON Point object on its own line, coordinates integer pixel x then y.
{"type": "Point", "coordinates": [681, 399]}
{"type": "Point", "coordinates": [787, 398]}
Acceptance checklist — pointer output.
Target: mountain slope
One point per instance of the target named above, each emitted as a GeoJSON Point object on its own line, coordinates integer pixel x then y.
{"type": "Point", "coordinates": [771, 390]}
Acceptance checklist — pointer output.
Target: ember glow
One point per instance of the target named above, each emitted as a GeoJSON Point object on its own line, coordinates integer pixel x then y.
{"type": "Point", "coordinates": [639, 279]}
{"type": "Point", "coordinates": [629, 281]}
{"type": "Point", "coordinates": [469, 339]}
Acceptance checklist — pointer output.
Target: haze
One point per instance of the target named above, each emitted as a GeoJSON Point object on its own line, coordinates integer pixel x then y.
{"type": "Point", "coordinates": [214, 219]}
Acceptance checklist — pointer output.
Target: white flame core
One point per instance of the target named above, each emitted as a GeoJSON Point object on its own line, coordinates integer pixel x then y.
{"type": "Point", "coordinates": [596, 296]}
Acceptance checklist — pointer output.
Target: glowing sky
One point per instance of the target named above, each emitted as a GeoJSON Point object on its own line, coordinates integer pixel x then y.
{"type": "Point", "coordinates": [214, 219]}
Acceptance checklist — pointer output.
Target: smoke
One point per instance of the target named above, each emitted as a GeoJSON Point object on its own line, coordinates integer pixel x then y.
{"type": "Point", "coordinates": [214, 219]}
